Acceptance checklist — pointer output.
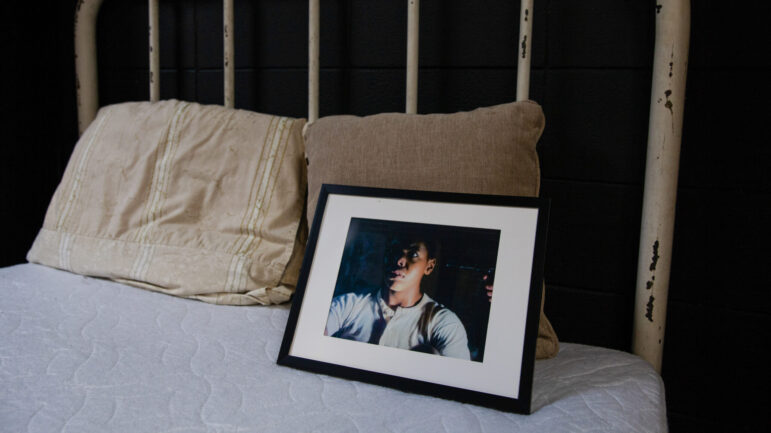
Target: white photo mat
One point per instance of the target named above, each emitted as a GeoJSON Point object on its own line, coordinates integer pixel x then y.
{"type": "Point", "coordinates": [499, 373]}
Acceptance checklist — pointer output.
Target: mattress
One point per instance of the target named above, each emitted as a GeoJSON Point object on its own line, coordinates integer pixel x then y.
{"type": "Point", "coordinates": [80, 354]}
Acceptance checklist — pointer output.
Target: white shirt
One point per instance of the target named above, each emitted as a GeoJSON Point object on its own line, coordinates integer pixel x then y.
{"type": "Point", "coordinates": [367, 318]}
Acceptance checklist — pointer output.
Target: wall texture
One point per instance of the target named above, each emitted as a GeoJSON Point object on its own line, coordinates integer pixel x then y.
{"type": "Point", "coordinates": [591, 73]}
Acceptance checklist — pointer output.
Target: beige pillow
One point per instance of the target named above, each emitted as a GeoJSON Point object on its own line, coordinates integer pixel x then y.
{"type": "Point", "coordinates": [196, 201]}
{"type": "Point", "coordinates": [489, 150]}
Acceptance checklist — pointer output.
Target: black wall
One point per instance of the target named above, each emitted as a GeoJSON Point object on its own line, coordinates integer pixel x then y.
{"type": "Point", "coordinates": [592, 74]}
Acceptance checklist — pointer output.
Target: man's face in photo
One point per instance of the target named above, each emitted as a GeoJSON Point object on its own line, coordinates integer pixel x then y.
{"type": "Point", "coordinates": [406, 265]}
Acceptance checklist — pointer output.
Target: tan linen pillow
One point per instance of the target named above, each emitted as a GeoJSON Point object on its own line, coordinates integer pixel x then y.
{"type": "Point", "coordinates": [190, 200]}
{"type": "Point", "coordinates": [490, 150]}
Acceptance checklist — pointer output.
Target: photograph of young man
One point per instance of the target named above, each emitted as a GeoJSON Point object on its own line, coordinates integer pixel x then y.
{"type": "Point", "coordinates": [399, 314]}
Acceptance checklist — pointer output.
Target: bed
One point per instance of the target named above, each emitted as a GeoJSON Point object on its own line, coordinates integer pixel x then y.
{"type": "Point", "coordinates": [102, 346]}
{"type": "Point", "coordinates": [84, 354]}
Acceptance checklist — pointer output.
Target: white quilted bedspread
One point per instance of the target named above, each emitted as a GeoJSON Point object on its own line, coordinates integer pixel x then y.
{"type": "Point", "coordinates": [79, 354]}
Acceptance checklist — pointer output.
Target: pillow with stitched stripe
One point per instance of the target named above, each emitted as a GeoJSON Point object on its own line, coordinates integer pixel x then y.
{"type": "Point", "coordinates": [191, 200]}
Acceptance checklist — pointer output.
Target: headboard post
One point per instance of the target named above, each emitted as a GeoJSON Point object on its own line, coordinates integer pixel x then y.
{"type": "Point", "coordinates": [524, 53]}
{"type": "Point", "coordinates": [85, 61]}
{"type": "Point", "coordinates": [670, 63]}
{"type": "Point", "coordinates": [413, 39]}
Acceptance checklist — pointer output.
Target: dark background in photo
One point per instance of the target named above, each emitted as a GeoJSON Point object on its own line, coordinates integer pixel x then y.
{"type": "Point", "coordinates": [465, 256]}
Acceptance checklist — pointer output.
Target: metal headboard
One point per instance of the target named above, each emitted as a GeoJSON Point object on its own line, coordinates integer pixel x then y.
{"type": "Point", "coordinates": [85, 56]}
{"type": "Point", "coordinates": [665, 128]}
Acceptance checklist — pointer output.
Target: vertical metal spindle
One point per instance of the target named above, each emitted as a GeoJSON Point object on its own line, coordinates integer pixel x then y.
{"type": "Point", "coordinates": [524, 53]}
{"type": "Point", "coordinates": [86, 77]}
{"type": "Point", "coordinates": [413, 31]}
{"type": "Point", "coordinates": [670, 62]}
{"type": "Point", "coordinates": [313, 60]}
{"type": "Point", "coordinates": [155, 63]}
{"type": "Point", "coordinates": [228, 53]}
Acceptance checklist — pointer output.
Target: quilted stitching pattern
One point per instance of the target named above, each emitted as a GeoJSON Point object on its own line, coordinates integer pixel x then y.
{"type": "Point", "coordinates": [79, 354]}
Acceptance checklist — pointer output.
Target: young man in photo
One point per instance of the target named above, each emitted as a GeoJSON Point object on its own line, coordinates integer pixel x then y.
{"type": "Point", "coordinates": [399, 314]}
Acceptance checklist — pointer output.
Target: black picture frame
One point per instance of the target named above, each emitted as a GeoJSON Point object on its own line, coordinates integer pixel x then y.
{"type": "Point", "coordinates": [499, 378]}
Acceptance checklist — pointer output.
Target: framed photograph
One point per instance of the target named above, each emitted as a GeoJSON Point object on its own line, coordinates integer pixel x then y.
{"type": "Point", "coordinates": [434, 293]}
